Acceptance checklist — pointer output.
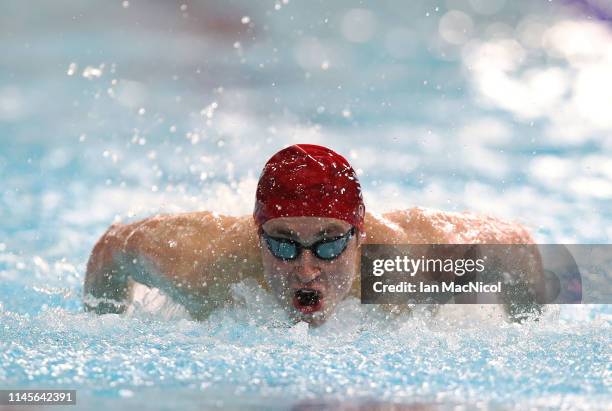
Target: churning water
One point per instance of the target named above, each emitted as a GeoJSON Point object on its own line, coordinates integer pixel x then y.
{"type": "Point", "coordinates": [117, 110]}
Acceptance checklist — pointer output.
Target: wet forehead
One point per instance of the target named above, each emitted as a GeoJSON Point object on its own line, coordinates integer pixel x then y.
{"type": "Point", "coordinates": [306, 228]}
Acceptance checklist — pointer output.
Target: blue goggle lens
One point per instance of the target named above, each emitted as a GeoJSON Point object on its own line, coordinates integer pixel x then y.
{"type": "Point", "coordinates": [326, 249]}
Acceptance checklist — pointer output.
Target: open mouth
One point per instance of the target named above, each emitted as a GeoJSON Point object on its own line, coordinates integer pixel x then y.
{"type": "Point", "coordinates": [307, 300]}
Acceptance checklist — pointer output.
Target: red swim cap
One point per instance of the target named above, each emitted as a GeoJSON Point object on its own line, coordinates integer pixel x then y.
{"type": "Point", "coordinates": [309, 180]}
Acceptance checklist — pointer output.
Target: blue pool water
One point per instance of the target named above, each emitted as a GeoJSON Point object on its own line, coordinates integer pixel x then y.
{"type": "Point", "coordinates": [115, 111]}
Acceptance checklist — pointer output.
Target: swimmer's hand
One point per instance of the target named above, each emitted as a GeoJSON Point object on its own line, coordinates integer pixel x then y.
{"type": "Point", "coordinates": [106, 287]}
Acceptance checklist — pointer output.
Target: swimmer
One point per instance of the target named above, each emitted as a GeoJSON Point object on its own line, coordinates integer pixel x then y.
{"type": "Point", "coordinates": [302, 242]}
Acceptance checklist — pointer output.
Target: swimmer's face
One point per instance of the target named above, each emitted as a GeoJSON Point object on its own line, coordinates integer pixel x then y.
{"type": "Point", "coordinates": [308, 286]}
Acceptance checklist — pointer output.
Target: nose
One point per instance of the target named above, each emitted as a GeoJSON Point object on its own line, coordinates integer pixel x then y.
{"type": "Point", "coordinates": [307, 268]}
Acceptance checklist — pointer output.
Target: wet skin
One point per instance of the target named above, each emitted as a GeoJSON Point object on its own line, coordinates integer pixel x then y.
{"type": "Point", "coordinates": [195, 257]}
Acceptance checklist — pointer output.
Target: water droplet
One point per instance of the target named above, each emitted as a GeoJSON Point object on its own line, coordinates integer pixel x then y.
{"type": "Point", "coordinates": [126, 393]}
{"type": "Point", "coordinates": [245, 20]}
{"type": "Point", "coordinates": [92, 72]}
{"type": "Point", "coordinates": [72, 68]}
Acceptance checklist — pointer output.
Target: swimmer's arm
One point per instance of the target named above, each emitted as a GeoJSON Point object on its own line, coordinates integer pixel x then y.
{"type": "Point", "coordinates": [191, 257]}
{"type": "Point", "coordinates": [425, 226]}
{"type": "Point", "coordinates": [158, 252]}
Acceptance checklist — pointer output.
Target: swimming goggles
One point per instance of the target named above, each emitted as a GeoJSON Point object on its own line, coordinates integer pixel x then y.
{"type": "Point", "coordinates": [325, 249]}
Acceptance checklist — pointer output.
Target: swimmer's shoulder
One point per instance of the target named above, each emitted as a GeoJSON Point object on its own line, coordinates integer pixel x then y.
{"type": "Point", "coordinates": [178, 242]}
{"type": "Point", "coordinates": [406, 226]}
{"type": "Point", "coordinates": [420, 225]}
{"type": "Point", "coordinates": [469, 227]}
{"type": "Point", "coordinates": [167, 227]}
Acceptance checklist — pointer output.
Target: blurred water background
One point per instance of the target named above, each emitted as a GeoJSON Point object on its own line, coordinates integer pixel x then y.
{"type": "Point", "coordinates": [112, 111]}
